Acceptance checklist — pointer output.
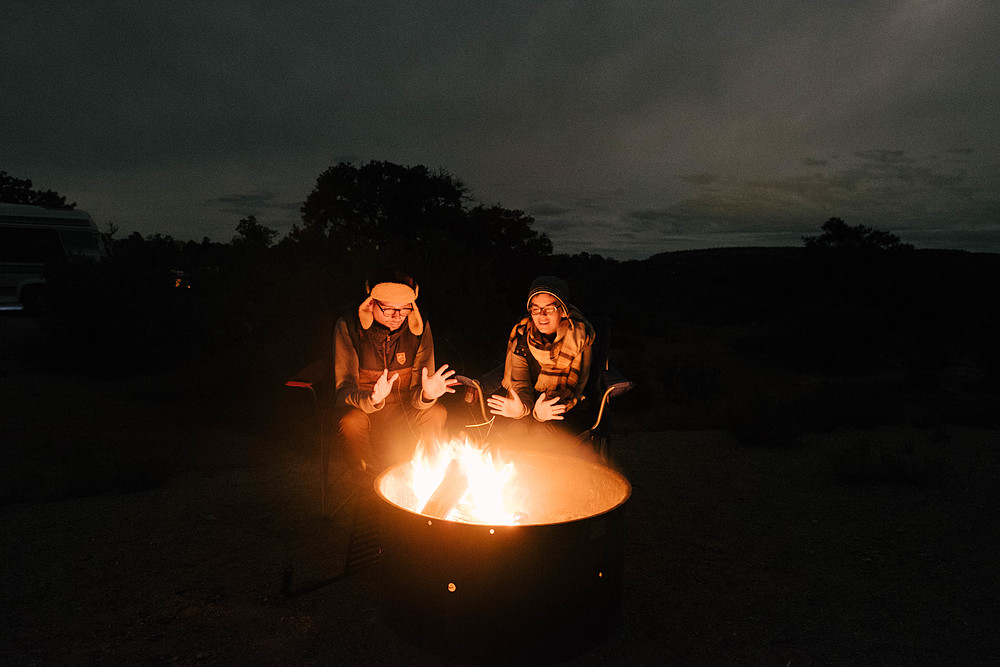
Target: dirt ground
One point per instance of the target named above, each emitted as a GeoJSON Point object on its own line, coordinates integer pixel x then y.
{"type": "Point", "coordinates": [734, 555]}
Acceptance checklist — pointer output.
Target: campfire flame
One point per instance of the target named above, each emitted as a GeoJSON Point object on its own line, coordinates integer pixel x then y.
{"type": "Point", "coordinates": [458, 481]}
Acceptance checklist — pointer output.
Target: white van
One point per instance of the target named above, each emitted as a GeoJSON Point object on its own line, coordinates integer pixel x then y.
{"type": "Point", "coordinates": [33, 236]}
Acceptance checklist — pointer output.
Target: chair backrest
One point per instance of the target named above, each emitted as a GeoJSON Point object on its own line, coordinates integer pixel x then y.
{"type": "Point", "coordinates": [605, 381]}
{"type": "Point", "coordinates": [599, 357]}
{"type": "Point", "coordinates": [312, 374]}
{"type": "Point", "coordinates": [604, 384]}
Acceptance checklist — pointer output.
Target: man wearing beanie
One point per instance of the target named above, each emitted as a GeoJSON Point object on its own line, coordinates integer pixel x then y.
{"type": "Point", "coordinates": [548, 357]}
{"type": "Point", "coordinates": [387, 386]}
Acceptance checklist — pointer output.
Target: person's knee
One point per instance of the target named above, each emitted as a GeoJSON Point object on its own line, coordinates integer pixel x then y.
{"type": "Point", "coordinates": [353, 421]}
{"type": "Point", "coordinates": [354, 427]}
{"type": "Point", "coordinates": [429, 424]}
{"type": "Point", "coordinates": [437, 416]}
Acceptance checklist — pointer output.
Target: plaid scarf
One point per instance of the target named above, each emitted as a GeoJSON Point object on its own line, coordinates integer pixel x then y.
{"type": "Point", "coordinates": [559, 359]}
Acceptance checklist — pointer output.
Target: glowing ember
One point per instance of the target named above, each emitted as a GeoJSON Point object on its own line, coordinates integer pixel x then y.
{"type": "Point", "coordinates": [486, 487]}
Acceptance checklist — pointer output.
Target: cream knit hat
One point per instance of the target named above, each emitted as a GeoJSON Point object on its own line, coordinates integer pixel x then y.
{"type": "Point", "coordinates": [396, 287]}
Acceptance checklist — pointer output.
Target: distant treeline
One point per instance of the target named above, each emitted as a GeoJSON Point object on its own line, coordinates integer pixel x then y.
{"type": "Point", "coordinates": [849, 300]}
{"type": "Point", "coordinates": [158, 301]}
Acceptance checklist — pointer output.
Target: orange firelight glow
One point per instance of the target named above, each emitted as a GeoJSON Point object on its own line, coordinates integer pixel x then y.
{"type": "Point", "coordinates": [492, 495]}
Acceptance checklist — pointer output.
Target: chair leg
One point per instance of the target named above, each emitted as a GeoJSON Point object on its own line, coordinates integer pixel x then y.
{"type": "Point", "coordinates": [363, 543]}
{"type": "Point", "coordinates": [324, 455]}
{"type": "Point", "coordinates": [348, 498]}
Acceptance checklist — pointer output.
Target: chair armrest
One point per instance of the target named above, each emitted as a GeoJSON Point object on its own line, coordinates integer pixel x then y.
{"type": "Point", "coordinates": [614, 384]}
{"type": "Point", "coordinates": [310, 375]}
{"type": "Point", "coordinates": [467, 382]}
{"type": "Point", "coordinates": [473, 392]}
{"type": "Point", "coordinates": [492, 381]}
{"type": "Point", "coordinates": [616, 389]}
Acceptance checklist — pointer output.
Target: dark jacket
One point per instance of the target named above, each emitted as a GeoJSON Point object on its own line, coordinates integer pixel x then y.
{"type": "Point", "coordinates": [360, 356]}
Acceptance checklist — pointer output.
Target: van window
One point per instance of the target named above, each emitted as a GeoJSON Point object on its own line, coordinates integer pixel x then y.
{"type": "Point", "coordinates": [36, 246]}
{"type": "Point", "coordinates": [81, 243]}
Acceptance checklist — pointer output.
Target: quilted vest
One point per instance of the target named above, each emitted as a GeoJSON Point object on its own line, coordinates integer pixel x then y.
{"type": "Point", "coordinates": [378, 349]}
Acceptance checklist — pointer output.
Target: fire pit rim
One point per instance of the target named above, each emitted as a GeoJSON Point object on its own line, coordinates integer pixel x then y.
{"type": "Point", "coordinates": [626, 495]}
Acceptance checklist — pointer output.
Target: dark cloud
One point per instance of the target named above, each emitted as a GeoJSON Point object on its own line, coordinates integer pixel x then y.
{"type": "Point", "coordinates": [645, 124]}
{"type": "Point", "coordinates": [547, 209]}
{"type": "Point", "coordinates": [890, 188]}
{"type": "Point", "coordinates": [919, 197]}
{"type": "Point", "coordinates": [253, 202]}
{"type": "Point", "coordinates": [698, 179]}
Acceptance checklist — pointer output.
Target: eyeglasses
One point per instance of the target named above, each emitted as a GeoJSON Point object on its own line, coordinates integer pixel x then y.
{"type": "Point", "coordinates": [546, 310]}
{"type": "Point", "coordinates": [393, 312]}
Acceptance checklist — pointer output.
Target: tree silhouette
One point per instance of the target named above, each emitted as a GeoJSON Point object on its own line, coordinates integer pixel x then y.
{"type": "Point", "coordinates": [383, 208]}
{"type": "Point", "coordinates": [837, 235]}
{"type": "Point", "coordinates": [252, 233]}
{"type": "Point", "coordinates": [500, 231]}
{"type": "Point", "coordinates": [374, 207]}
{"type": "Point", "coordinates": [20, 191]}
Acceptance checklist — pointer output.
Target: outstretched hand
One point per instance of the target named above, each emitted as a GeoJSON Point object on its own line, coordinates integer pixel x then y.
{"type": "Point", "coordinates": [439, 383]}
{"type": "Point", "coordinates": [546, 409]}
{"type": "Point", "coordinates": [506, 406]}
{"type": "Point", "coordinates": [383, 386]}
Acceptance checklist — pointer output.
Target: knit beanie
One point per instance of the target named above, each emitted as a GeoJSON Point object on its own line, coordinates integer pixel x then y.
{"type": "Point", "coordinates": [550, 285]}
{"type": "Point", "coordinates": [391, 286]}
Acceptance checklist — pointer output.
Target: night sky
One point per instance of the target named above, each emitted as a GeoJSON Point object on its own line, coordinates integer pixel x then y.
{"type": "Point", "coordinates": [623, 128]}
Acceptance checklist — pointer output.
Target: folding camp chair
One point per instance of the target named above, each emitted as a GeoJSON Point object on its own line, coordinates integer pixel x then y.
{"type": "Point", "coordinates": [317, 377]}
{"type": "Point", "coordinates": [610, 384]}
{"type": "Point", "coordinates": [311, 377]}
{"type": "Point", "coordinates": [605, 383]}
{"type": "Point", "coordinates": [363, 536]}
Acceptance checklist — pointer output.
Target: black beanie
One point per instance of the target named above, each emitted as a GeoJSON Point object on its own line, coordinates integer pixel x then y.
{"type": "Point", "coordinates": [550, 285]}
